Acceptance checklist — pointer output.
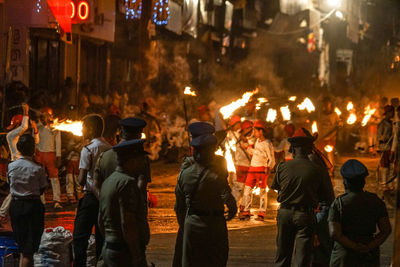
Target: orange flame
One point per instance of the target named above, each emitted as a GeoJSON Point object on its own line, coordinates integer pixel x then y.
{"type": "Point", "coordinates": [338, 112]}
{"type": "Point", "coordinates": [352, 118]}
{"type": "Point", "coordinates": [228, 110]}
{"type": "Point", "coordinates": [74, 127]}
{"type": "Point", "coordinates": [368, 112]}
{"type": "Point", "coordinates": [314, 127]}
{"type": "Point", "coordinates": [306, 104]}
{"type": "Point", "coordinates": [188, 91]}
{"type": "Point", "coordinates": [328, 148]}
{"type": "Point", "coordinates": [350, 106]}
{"type": "Point", "coordinates": [271, 115]}
{"type": "Point", "coordinates": [285, 113]}
{"type": "Point", "coordinates": [292, 98]}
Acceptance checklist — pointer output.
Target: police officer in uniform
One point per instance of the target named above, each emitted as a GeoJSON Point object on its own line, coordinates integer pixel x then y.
{"type": "Point", "coordinates": [122, 216]}
{"type": "Point", "coordinates": [201, 192]}
{"type": "Point", "coordinates": [353, 218]}
{"type": "Point", "coordinates": [131, 128]}
{"type": "Point", "coordinates": [301, 185]}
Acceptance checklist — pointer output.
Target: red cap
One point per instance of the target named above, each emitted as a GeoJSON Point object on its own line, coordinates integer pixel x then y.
{"type": "Point", "coordinates": [15, 122]}
{"type": "Point", "coordinates": [246, 125]}
{"type": "Point", "coordinates": [203, 109]}
{"type": "Point", "coordinates": [260, 124]}
{"type": "Point", "coordinates": [235, 119]}
{"type": "Point", "coordinates": [302, 132]}
{"type": "Point", "coordinates": [289, 129]}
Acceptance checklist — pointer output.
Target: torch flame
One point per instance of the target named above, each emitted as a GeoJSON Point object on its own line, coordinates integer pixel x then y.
{"type": "Point", "coordinates": [368, 112]}
{"type": "Point", "coordinates": [257, 191]}
{"type": "Point", "coordinates": [306, 104]}
{"type": "Point", "coordinates": [338, 112]}
{"type": "Point", "coordinates": [271, 116]}
{"type": "Point", "coordinates": [314, 127]}
{"type": "Point", "coordinates": [74, 127]}
{"type": "Point", "coordinates": [328, 148]}
{"type": "Point", "coordinates": [228, 110]}
{"type": "Point", "coordinates": [352, 118]}
{"type": "Point", "coordinates": [228, 155]}
{"type": "Point", "coordinates": [188, 91]}
{"type": "Point", "coordinates": [292, 98]}
{"type": "Point", "coordinates": [143, 136]}
{"type": "Point", "coordinates": [350, 106]}
{"type": "Point", "coordinates": [285, 113]}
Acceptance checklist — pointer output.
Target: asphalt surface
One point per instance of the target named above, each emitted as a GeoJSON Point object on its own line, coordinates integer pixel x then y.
{"type": "Point", "coordinates": [252, 243]}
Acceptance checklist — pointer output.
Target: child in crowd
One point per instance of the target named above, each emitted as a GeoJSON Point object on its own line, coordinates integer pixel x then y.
{"type": "Point", "coordinates": [27, 181]}
{"type": "Point", "coordinates": [262, 162]}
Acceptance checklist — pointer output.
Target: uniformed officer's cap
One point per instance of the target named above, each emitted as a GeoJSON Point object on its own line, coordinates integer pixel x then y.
{"type": "Point", "coordinates": [204, 140]}
{"type": "Point", "coordinates": [300, 141]}
{"type": "Point", "coordinates": [353, 170]}
{"type": "Point", "coordinates": [200, 128]}
{"type": "Point", "coordinates": [133, 123]}
{"type": "Point", "coordinates": [130, 146]}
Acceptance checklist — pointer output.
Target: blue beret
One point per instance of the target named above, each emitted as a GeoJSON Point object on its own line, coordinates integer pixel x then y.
{"type": "Point", "coordinates": [133, 122]}
{"type": "Point", "coordinates": [353, 169]}
{"type": "Point", "coordinates": [134, 145]}
{"type": "Point", "coordinates": [204, 140]}
{"type": "Point", "coordinates": [200, 128]}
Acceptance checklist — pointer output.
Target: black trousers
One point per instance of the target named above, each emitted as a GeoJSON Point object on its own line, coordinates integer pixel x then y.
{"type": "Point", "coordinates": [86, 218]}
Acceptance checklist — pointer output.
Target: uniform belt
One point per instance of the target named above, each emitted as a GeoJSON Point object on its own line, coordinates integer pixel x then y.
{"type": "Point", "coordinates": [297, 208]}
{"type": "Point", "coordinates": [115, 246]}
{"type": "Point", "coordinates": [205, 212]}
{"type": "Point", "coordinates": [26, 198]}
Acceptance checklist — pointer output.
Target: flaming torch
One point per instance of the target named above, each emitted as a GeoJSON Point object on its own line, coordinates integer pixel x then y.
{"type": "Point", "coordinates": [337, 111]}
{"type": "Point", "coordinates": [271, 115]}
{"type": "Point", "coordinates": [352, 117]}
{"type": "Point", "coordinates": [368, 112]}
{"type": "Point", "coordinates": [261, 101]}
{"type": "Point", "coordinates": [328, 148]}
{"type": "Point", "coordinates": [228, 110]}
{"type": "Point", "coordinates": [292, 98]}
{"type": "Point", "coordinates": [306, 104]}
{"type": "Point", "coordinates": [74, 127]}
{"type": "Point", "coordinates": [188, 91]}
{"type": "Point", "coordinates": [285, 113]}
{"type": "Point", "coordinates": [314, 127]}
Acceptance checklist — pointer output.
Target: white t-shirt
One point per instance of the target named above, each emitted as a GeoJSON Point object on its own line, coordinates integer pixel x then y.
{"type": "Point", "coordinates": [263, 154]}
{"type": "Point", "coordinates": [50, 140]}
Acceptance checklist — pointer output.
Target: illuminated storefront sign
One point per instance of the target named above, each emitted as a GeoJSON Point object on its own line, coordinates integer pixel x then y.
{"type": "Point", "coordinates": [80, 11]}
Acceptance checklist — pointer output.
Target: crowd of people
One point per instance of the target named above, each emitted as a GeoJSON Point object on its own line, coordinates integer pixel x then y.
{"type": "Point", "coordinates": [109, 172]}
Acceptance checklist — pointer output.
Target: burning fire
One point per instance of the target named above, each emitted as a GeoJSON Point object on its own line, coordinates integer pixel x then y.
{"type": "Point", "coordinates": [352, 118]}
{"type": "Point", "coordinates": [228, 155]}
{"type": "Point", "coordinates": [271, 116]}
{"type": "Point", "coordinates": [350, 106]}
{"type": "Point", "coordinates": [306, 104]}
{"type": "Point", "coordinates": [188, 91]}
{"type": "Point", "coordinates": [328, 148]}
{"type": "Point", "coordinates": [143, 136]}
{"type": "Point", "coordinates": [314, 127]}
{"type": "Point", "coordinates": [74, 127]}
{"type": "Point", "coordinates": [261, 101]}
{"type": "Point", "coordinates": [256, 190]}
{"type": "Point", "coordinates": [285, 113]}
{"type": "Point", "coordinates": [368, 112]}
{"type": "Point", "coordinates": [228, 110]}
{"type": "Point", "coordinates": [338, 112]}
{"type": "Point", "coordinates": [292, 98]}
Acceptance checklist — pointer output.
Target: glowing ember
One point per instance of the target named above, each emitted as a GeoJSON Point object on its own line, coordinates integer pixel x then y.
{"type": "Point", "coordinates": [350, 106]}
{"type": "Point", "coordinates": [228, 110]}
{"type": "Point", "coordinates": [314, 127]}
{"type": "Point", "coordinates": [285, 113]}
{"type": "Point", "coordinates": [338, 112]}
{"type": "Point", "coordinates": [352, 118]}
{"type": "Point", "coordinates": [188, 91]}
{"type": "Point", "coordinates": [328, 148]}
{"type": "Point", "coordinates": [306, 104]}
{"type": "Point", "coordinates": [271, 116]}
{"type": "Point", "coordinates": [74, 127]}
{"type": "Point", "coordinates": [292, 98]}
{"type": "Point", "coordinates": [368, 112]}
{"type": "Point", "coordinates": [143, 136]}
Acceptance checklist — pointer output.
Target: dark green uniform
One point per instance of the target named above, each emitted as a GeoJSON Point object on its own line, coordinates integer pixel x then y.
{"type": "Point", "coordinates": [301, 185]}
{"type": "Point", "coordinates": [358, 213]}
{"type": "Point", "coordinates": [201, 193]}
{"type": "Point", "coordinates": [120, 193]}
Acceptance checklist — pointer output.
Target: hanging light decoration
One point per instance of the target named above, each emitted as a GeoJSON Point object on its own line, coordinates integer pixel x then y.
{"type": "Point", "coordinates": [133, 9]}
{"type": "Point", "coordinates": [161, 12]}
{"type": "Point", "coordinates": [38, 6]}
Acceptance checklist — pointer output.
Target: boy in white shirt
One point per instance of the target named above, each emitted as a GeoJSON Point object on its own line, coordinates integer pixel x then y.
{"type": "Point", "coordinates": [263, 160]}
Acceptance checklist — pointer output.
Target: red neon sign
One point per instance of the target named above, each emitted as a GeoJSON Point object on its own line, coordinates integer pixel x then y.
{"type": "Point", "coordinates": [80, 10]}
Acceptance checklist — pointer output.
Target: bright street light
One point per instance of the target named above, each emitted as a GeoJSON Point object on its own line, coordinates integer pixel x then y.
{"type": "Point", "coordinates": [334, 3]}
